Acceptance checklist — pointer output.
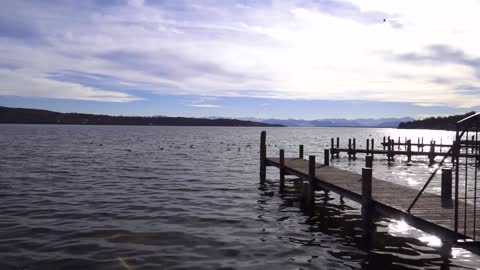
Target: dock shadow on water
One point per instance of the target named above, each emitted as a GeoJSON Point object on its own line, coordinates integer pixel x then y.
{"type": "Point", "coordinates": [389, 243]}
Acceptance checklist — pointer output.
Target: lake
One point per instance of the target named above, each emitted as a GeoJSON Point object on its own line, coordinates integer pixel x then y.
{"type": "Point", "coordinates": [125, 197]}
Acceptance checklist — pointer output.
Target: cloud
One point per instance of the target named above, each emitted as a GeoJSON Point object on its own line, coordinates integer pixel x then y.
{"type": "Point", "coordinates": [206, 106]}
{"type": "Point", "coordinates": [324, 49]}
{"type": "Point", "coordinates": [469, 90]}
{"type": "Point", "coordinates": [16, 84]}
{"type": "Point", "coordinates": [354, 12]}
{"type": "Point", "coordinates": [442, 55]}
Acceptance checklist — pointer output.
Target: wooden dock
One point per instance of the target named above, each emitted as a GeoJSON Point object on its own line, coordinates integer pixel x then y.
{"type": "Point", "coordinates": [405, 148]}
{"type": "Point", "coordinates": [431, 213]}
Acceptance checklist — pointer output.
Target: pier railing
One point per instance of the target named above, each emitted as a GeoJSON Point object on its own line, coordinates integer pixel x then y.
{"type": "Point", "coordinates": [466, 171]}
{"type": "Point", "coordinates": [466, 159]}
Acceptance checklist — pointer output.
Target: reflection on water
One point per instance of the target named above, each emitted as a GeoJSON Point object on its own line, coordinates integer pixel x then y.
{"type": "Point", "coordinates": [83, 197]}
{"type": "Point", "coordinates": [393, 244]}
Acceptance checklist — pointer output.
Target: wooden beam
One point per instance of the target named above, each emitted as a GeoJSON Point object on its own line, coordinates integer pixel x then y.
{"type": "Point", "coordinates": [282, 170]}
{"type": "Point", "coordinates": [263, 156]}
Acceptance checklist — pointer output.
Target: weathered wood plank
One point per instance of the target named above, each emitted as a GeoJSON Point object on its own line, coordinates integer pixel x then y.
{"type": "Point", "coordinates": [388, 198]}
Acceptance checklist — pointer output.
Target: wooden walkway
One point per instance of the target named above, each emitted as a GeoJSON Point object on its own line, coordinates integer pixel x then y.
{"type": "Point", "coordinates": [388, 199]}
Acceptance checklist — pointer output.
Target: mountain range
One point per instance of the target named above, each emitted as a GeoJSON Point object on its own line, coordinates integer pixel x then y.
{"type": "Point", "coordinates": [360, 122]}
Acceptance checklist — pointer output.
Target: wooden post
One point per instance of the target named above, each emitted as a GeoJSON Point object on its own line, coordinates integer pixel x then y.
{"type": "Point", "coordinates": [366, 199]}
{"type": "Point", "coordinates": [263, 156]}
{"type": "Point", "coordinates": [300, 151]}
{"type": "Point", "coordinates": [372, 146]}
{"type": "Point", "coordinates": [368, 146]}
{"type": "Point", "coordinates": [354, 148]}
{"type": "Point", "coordinates": [282, 170]}
{"type": "Point", "coordinates": [454, 151]}
{"type": "Point", "coordinates": [422, 144]}
{"type": "Point", "coordinates": [409, 151]}
{"type": "Point", "coordinates": [390, 148]}
{"type": "Point", "coordinates": [399, 142]}
{"type": "Point", "coordinates": [431, 155]}
{"type": "Point", "coordinates": [349, 148]}
{"type": "Point", "coordinates": [388, 151]}
{"type": "Point", "coordinates": [311, 183]}
{"type": "Point", "coordinates": [333, 146]}
{"type": "Point", "coordinates": [338, 146]}
{"type": "Point", "coordinates": [326, 156]}
{"type": "Point", "coordinates": [369, 161]}
{"type": "Point", "coordinates": [446, 187]}
{"type": "Point", "coordinates": [384, 143]}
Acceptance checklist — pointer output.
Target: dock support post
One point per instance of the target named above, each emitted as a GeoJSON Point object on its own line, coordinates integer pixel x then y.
{"type": "Point", "coordinates": [409, 151]}
{"type": "Point", "coordinates": [282, 170]}
{"type": "Point", "coordinates": [326, 156]}
{"type": "Point", "coordinates": [311, 184]}
{"type": "Point", "coordinates": [372, 146]}
{"type": "Point", "coordinates": [338, 146]}
{"type": "Point", "coordinates": [300, 151]}
{"type": "Point", "coordinates": [384, 143]}
{"type": "Point", "coordinates": [332, 142]}
{"type": "Point", "coordinates": [454, 151]}
{"type": "Point", "coordinates": [349, 149]}
{"type": "Point", "coordinates": [369, 161]}
{"type": "Point", "coordinates": [354, 148]}
{"type": "Point", "coordinates": [431, 155]}
{"type": "Point", "coordinates": [422, 144]}
{"type": "Point", "coordinates": [446, 187]}
{"type": "Point", "coordinates": [390, 148]}
{"type": "Point", "coordinates": [399, 142]}
{"type": "Point", "coordinates": [368, 146]}
{"type": "Point", "coordinates": [367, 200]}
{"type": "Point", "coordinates": [263, 156]}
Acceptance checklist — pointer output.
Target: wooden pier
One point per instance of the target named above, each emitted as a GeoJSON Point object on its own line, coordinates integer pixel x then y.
{"type": "Point", "coordinates": [390, 149]}
{"type": "Point", "coordinates": [431, 213]}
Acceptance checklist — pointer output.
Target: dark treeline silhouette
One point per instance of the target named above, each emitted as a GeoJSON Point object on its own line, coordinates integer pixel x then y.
{"type": "Point", "coordinates": [34, 116]}
{"type": "Point", "coordinates": [443, 123]}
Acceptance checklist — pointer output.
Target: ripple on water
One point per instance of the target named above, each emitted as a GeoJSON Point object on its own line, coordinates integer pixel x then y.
{"type": "Point", "coordinates": [92, 197]}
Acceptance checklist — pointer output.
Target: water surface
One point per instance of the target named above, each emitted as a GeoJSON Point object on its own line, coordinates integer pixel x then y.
{"type": "Point", "coordinates": [119, 197]}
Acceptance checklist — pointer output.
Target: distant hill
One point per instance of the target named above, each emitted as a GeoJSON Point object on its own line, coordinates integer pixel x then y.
{"type": "Point", "coordinates": [440, 123]}
{"type": "Point", "coordinates": [361, 122]}
{"type": "Point", "coordinates": [34, 116]}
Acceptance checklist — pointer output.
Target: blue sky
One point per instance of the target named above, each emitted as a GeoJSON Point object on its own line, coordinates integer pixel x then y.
{"type": "Point", "coordinates": [268, 59]}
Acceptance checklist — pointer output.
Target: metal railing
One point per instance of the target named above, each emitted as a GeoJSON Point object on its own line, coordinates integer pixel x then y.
{"type": "Point", "coordinates": [466, 174]}
{"type": "Point", "coordinates": [465, 155]}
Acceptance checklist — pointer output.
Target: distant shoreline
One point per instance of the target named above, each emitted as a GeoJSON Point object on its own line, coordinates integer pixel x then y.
{"type": "Point", "coordinates": [435, 123]}
{"type": "Point", "coordinates": [45, 117]}
{"type": "Point", "coordinates": [120, 125]}
{"type": "Point", "coordinates": [192, 126]}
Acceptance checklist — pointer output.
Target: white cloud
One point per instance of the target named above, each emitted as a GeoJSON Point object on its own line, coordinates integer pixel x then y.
{"type": "Point", "coordinates": [206, 106]}
{"type": "Point", "coordinates": [16, 84]}
{"type": "Point", "coordinates": [328, 50]}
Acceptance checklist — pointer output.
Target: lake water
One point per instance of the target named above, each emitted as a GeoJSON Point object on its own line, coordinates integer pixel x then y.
{"type": "Point", "coordinates": [118, 197]}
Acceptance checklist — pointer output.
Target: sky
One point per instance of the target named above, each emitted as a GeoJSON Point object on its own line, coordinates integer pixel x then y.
{"type": "Point", "coordinates": [304, 59]}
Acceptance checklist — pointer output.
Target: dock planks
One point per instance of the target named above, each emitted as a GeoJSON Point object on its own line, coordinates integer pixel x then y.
{"type": "Point", "coordinates": [389, 199]}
